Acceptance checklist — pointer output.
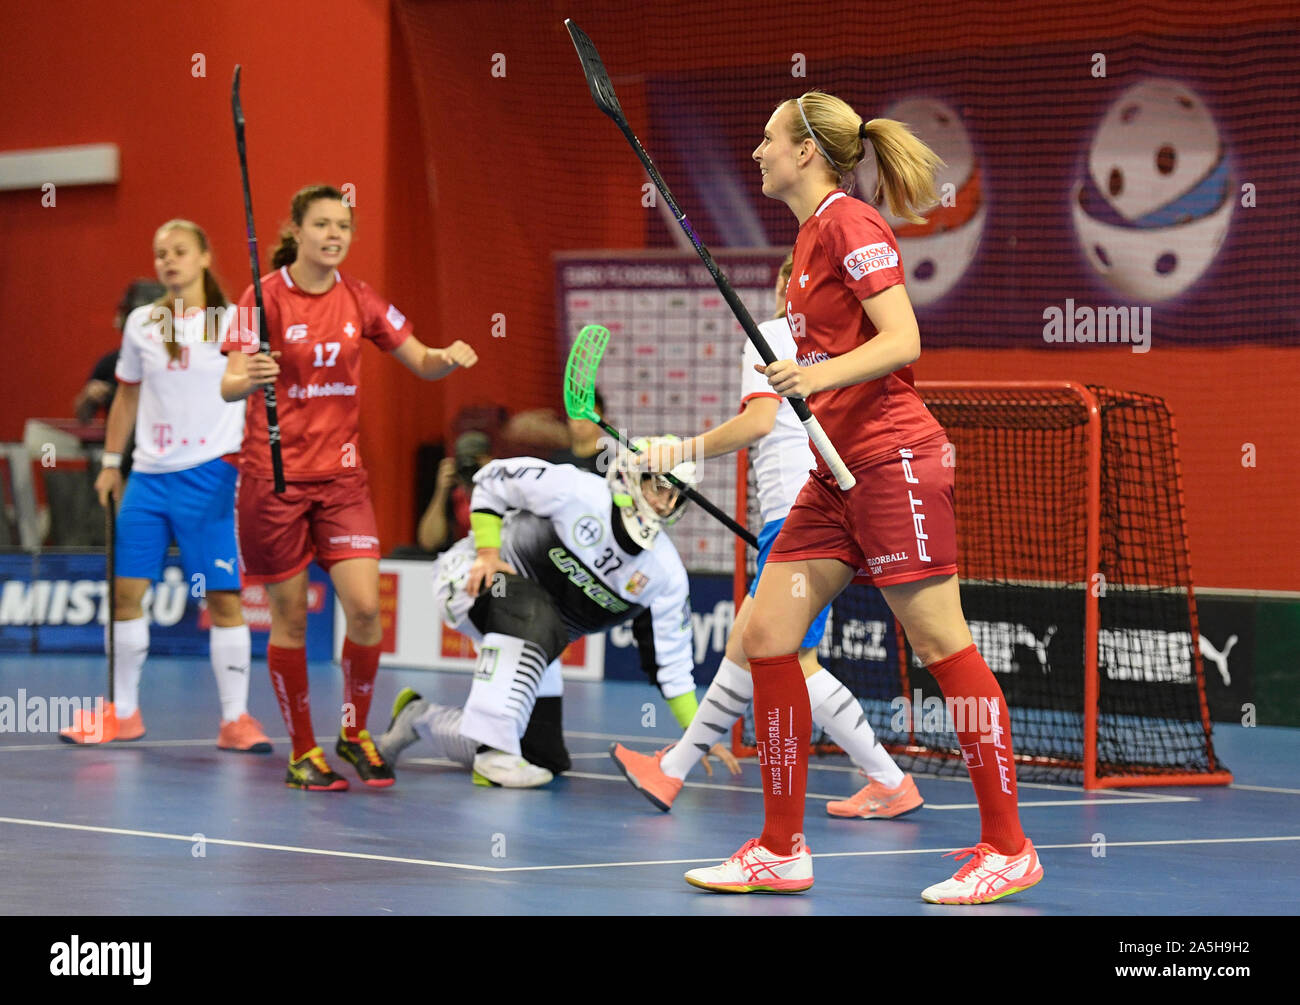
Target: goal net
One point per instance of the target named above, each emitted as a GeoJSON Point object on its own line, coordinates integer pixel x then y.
{"type": "Point", "coordinates": [1076, 583]}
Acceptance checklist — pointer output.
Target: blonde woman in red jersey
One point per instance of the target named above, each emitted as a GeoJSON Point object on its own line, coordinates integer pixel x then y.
{"type": "Point", "coordinates": [317, 320]}
{"type": "Point", "coordinates": [858, 337]}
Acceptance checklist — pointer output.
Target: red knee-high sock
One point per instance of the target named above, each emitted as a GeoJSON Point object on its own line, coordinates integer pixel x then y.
{"type": "Point", "coordinates": [983, 724]}
{"type": "Point", "coordinates": [289, 679]}
{"type": "Point", "coordinates": [360, 667]}
{"type": "Point", "coordinates": [783, 730]}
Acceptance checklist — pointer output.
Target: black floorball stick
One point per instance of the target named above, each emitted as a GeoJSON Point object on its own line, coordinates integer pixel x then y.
{"type": "Point", "coordinates": [603, 93]}
{"type": "Point", "coordinates": [110, 560]}
{"type": "Point", "coordinates": [272, 417]}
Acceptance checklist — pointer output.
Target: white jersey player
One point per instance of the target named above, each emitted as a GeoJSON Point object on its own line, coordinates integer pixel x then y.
{"type": "Point", "coordinates": [182, 485]}
{"type": "Point", "coordinates": [180, 422]}
{"type": "Point", "coordinates": [555, 553]}
{"type": "Point", "coordinates": [782, 458]}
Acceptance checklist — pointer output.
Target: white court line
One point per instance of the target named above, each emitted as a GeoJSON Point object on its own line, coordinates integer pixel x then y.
{"type": "Point", "coordinates": [1265, 788]}
{"type": "Point", "coordinates": [814, 765]}
{"type": "Point", "coordinates": [145, 744]}
{"type": "Point", "coordinates": [125, 744]}
{"type": "Point", "coordinates": [163, 836]}
{"type": "Point", "coordinates": [1105, 801]}
{"type": "Point", "coordinates": [1128, 797]}
{"type": "Point", "coordinates": [657, 741]}
{"type": "Point", "coordinates": [433, 863]}
{"type": "Point", "coordinates": [908, 851]}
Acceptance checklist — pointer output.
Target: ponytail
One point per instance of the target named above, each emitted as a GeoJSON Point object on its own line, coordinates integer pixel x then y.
{"type": "Point", "coordinates": [782, 281]}
{"type": "Point", "coordinates": [905, 167]}
{"type": "Point", "coordinates": [286, 252]}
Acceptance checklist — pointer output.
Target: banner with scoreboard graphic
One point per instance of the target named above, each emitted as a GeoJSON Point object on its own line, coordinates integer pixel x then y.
{"type": "Point", "coordinates": [673, 363]}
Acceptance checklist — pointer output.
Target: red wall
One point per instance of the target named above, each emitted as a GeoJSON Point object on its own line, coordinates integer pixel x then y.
{"type": "Point", "coordinates": [457, 174]}
{"type": "Point", "coordinates": [316, 87]}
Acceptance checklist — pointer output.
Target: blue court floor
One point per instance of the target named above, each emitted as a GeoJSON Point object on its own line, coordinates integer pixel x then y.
{"type": "Point", "coordinates": [170, 825]}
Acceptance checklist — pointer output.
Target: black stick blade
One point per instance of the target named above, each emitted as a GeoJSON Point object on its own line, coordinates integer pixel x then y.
{"type": "Point", "coordinates": [602, 91]}
{"type": "Point", "coordinates": [235, 108]}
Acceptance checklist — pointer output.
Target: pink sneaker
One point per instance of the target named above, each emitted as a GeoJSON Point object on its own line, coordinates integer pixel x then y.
{"type": "Point", "coordinates": [754, 869]}
{"type": "Point", "coordinates": [243, 734]}
{"type": "Point", "coordinates": [646, 776]}
{"type": "Point", "coordinates": [988, 876]}
{"type": "Point", "coordinates": [875, 802]}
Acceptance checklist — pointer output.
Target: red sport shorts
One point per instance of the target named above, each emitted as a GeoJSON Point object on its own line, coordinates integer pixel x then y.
{"type": "Point", "coordinates": [326, 520]}
{"type": "Point", "coordinates": [896, 525]}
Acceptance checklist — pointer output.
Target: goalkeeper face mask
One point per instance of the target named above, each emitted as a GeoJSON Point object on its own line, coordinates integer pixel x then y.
{"type": "Point", "coordinates": [647, 502]}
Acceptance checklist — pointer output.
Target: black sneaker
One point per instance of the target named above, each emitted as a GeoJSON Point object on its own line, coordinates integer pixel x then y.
{"type": "Point", "coordinates": [313, 773]}
{"type": "Point", "coordinates": [366, 758]}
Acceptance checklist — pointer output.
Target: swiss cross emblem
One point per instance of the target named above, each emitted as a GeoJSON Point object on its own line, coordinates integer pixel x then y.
{"type": "Point", "coordinates": [803, 280]}
{"type": "Point", "coordinates": [350, 329]}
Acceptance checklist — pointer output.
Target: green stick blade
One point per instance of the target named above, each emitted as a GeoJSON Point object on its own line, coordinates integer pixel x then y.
{"type": "Point", "coordinates": [580, 372]}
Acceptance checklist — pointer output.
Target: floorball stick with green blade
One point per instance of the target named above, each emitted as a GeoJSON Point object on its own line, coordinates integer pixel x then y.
{"type": "Point", "coordinates": [580, 403]}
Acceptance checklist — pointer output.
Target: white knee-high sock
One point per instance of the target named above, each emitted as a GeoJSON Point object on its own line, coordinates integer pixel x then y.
{"type": "Point", "coordinates": [724, 702]}
{"type": "Point", "coordinates": [440, 725]}
{"type": "Point", "coordinates": [835, 710]}
{"type": "Point", "coordinates": [231, 653]}
{"type": "Point", "coordinates": [504, 691]}
{"type": "Point", "coordinates": [130, 649]}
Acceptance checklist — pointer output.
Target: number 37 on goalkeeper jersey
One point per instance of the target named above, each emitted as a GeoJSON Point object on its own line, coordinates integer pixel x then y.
{"type": "Point", "coordinates": [560, 528]}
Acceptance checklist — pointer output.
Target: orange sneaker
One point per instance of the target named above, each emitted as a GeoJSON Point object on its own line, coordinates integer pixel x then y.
{"type": "Point", "coordinates": [646, 776]}
{"type": "Point", "coordinates": [243, 734]}
{"type": "Point", "coordinates": [875, 802]}
{"type": "Point", "coordinates": [130, 728]}
{"type": "Point", "coordinates": [89, 726]}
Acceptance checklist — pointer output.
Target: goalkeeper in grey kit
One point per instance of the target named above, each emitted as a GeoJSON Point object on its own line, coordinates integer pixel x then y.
{"type": "Point", "coordinates": [554, 553]}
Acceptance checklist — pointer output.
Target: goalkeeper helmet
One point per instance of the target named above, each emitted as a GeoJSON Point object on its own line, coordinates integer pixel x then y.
{"type": "Point", "coordinates": [628, 483]}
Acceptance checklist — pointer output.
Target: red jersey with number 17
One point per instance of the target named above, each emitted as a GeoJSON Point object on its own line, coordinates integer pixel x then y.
{"type": "Point", "coordinates": [845, 253]}
{"type": "Point", "coordinates": [319, 337]}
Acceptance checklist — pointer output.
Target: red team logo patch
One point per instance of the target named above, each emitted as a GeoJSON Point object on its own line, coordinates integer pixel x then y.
{"type": "Point", "coordinates": [870, 258]}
